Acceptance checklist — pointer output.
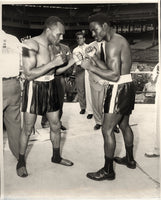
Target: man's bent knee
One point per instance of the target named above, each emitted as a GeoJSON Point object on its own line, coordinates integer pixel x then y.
{"type": "Point", "coordinates": [122, 127]}
{"type": "Point", "coordinates": [27, 130]}
{"type": "Point", "coordinates": [107, 130]}
{"type": "Point", "coordinates": [55, 127]}
{"type": "Point", "coordinates": [107, 133]}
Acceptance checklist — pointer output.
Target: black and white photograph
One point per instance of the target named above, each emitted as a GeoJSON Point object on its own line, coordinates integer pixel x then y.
{"type": "Point", "coordinates": [80, 100]}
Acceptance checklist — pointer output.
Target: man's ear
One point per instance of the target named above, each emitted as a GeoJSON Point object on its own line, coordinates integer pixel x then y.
{"type": "Point", "coordinates": [47, 30]}
{"type": "Point", "coordinates": [105, 26]}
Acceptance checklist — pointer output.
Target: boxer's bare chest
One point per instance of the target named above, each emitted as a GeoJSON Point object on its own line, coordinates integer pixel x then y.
{"type": "Point", "coordinates": [43, 55]}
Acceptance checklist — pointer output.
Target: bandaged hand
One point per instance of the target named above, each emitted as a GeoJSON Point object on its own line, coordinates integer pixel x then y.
{"type": "Point", "coordinates": [65, 56]}
{"type": "Point", "coordinates": [58, 60]}
{"type": "Point", "coordinates": [103, 82]}
{"type": "Point", "coordinates": [78, 57]}
{"type": "Point", "coordinates": [90, 51]}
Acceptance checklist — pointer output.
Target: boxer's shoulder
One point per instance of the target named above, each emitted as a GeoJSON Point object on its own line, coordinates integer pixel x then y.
{"type": "Point", "coordinates": [32, 44]}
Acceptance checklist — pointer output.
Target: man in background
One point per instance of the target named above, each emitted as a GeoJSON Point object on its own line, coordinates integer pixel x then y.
{"type": "Point", "coordinates": [10, 66]}
{"type": "Point", "coordinates": [155, 150]}
{"type": "Point", "coordinates": [82, 78]}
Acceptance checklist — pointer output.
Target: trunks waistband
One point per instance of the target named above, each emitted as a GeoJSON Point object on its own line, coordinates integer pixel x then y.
{"type": "Point", "coordinates": [45, 78]}
{"type": "Point", "coordinates": [10, 78]}
{"type": "Point", "coordinates": [123, 79]}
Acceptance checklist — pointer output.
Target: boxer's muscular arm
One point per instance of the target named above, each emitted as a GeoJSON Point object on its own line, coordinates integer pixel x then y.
{"type": "Point", "coordinates": [63, 69]}
{"type": "Point", "coordinates": [99, 62]}
{"type": "Point", "coordinates": [73, 59]}
{"type": "Point", "coordinates": [113, 71]}
{"type": "Point", "coordinates": [95, 57]}
{"type": "Point", "coordinates": [69, 58]}
{"type": "Point", "coordinates": [30, 61]}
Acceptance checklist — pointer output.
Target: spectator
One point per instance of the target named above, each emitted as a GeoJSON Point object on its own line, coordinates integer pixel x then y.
{"type": "Point", "coordinates": [10, 65]}
{"type": "Point", "coordinates": [155, 152]}
{"type": "Point", "coordinates": [82, 78]}
{"type": "Point", "coordinates": [149, 90]}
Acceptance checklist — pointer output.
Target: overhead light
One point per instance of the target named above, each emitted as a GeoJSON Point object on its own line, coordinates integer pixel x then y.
{"type": "Point", "coordinates": [63, 7]}
{"type": "Point", "coordinates": [47, 6]}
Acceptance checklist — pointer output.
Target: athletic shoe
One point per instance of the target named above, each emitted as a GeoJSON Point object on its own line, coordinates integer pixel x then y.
{"type": "Point", "coordinates": [101, 175]}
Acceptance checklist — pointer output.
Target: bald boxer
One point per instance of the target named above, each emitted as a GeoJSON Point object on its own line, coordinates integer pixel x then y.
{"type": "Point", "coordinates": [60, 80]}
{"type": "Point", "coordinates": [40, 94]}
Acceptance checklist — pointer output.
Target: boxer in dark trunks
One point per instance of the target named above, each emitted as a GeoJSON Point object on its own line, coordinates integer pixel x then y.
{"type": "Point", "coordinates": [60, 81]}
{"type": "Point", "coordinates": [40, 92]}
{"type": "Point", "coordinates": [120, 98]}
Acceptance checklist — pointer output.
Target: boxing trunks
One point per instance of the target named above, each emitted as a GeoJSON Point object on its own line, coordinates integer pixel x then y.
{"type": "Point", "coordinates": [40, 95]}
{"type": "Point", "coordinates": [120, 98]}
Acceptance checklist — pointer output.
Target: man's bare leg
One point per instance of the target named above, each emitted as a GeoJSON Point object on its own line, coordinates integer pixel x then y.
{"type": "Point", "coordinates": [55, 136]}
{"type": "Point", "coordinates": [128, 136]}
{"type": "Point", "coordinates": [107, 172]}
{"type": "Point", "coordinates": [28, 124]}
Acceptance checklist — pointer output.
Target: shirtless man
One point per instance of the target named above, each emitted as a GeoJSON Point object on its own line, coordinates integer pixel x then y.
{"type": "Point", "coordinates": [40, 92]}
{"type": "Point", "coordinates": [60, 80]}
{"type": "Point", "coordinates": [120, 98]}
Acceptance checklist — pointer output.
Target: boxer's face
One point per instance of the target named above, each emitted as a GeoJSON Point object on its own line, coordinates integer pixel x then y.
{"type": "Point", "coordinates": [98, 31]}
{"type": "Point", "coordinates": [55, 33]}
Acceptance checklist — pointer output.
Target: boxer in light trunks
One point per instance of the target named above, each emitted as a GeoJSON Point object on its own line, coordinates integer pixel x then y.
{"type": "Point", "coordinates": [40, 92]}
{"type": "Point", "coordinates": [120, 98]}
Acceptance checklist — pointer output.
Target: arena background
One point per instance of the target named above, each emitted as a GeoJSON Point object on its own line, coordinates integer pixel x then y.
{"type": "Point", "coordinates": [138, 23]}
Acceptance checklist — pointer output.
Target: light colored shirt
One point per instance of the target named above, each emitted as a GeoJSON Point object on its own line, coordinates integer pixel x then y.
{"type": "Point", "coordinates": [96, 80]}
{"type": "Point", "coordinates": [10, 55]}
{"type": "Point", "coordinates": [150, 89]}
{"type": "Point", "coordinates": [80, 49]}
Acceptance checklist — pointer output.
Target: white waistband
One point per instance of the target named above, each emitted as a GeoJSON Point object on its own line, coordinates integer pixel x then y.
{"type": "Point", "coordinates": [123, 79]}
{"type": "Point", "coordinates": [45, 78]}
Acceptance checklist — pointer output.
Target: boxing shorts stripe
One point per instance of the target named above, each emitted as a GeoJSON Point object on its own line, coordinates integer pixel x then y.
{"type": "Point", "coordinates": [40, 97]}
{"type": "Point", "coordinates": [120, 96]}
{"type": "Point", "coordinates": [30, 94]}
